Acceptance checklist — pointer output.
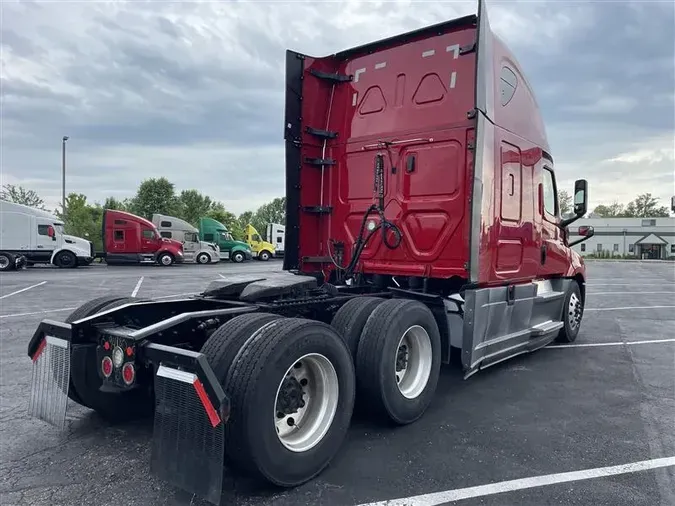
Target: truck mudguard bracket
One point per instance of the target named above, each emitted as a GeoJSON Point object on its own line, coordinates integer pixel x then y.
{"type": "Point", "coordinates": [337, 78]}
{"type": "Point", "coordinates": [191, 409]}
{"type": "Point", "coordinates": [323, 134]}
{"type": "Point", "coordinates": [318, 209]}
{"type": "Point", "coordinates": [319, 162]}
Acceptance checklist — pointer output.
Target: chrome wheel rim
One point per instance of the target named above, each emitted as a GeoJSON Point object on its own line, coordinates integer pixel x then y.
{"type": "Point", "coordinates": [306, 402]}
{"type": "Point", "coordinates": [412, 363]}
{"type": "Point", "coordinates": [574, 312]}
{"type": "Point", "coordinates": [166, 260]}
{"type": "Point", "coordinates": [4, 262]}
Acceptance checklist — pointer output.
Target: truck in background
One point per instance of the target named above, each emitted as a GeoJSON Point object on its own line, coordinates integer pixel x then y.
{"type": "Point", "coordinates": [194, 250]}
{"type": "Point", "coordinates": [276, 234]}
{"type": "Point", "coordinates": [457, 254]}
{"type": "Point", "coordinates": [38, 236]}
{"type": "Point", "coordinates": [211, 230]}
{"type": "Point", "coordinates": [262, 250]}
{"type": "Point", "coordinates": [131, 239]}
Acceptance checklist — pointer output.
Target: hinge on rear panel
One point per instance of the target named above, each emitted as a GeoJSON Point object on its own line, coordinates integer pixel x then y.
{"type": "Point", "coordinates": [469, 48]}
{"type": "Point", "coordinates": [510, 295]}
{"type": "Point", "coordinates": [319, 161]}
{"type": "Point", "coordinates": [338, 78]}
{"type": "Point", "coordinates": [471, 146]}
{"type": "Point", "coordinates": [471, 114]}
{"type": "Point", "coordinates": [324, 134]}
{"type": "Point", "coordinates": [318, 209]}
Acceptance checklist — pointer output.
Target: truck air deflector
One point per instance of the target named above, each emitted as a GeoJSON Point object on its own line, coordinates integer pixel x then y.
{"type": "Point", "coordinates": [485, 92]}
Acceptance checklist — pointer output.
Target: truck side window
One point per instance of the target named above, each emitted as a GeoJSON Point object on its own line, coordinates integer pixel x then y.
{"type": "Point", "coordinates": [549, 192]}
{"type": "Point", "coordinates": [166, 224]}
{"type": "Point", "coordinates": [208, 237]}
{"type": "Point", "coordinates": [256, 237]}
{"type": "Point", "coordinates": [119, 235]}
{"type": "Point", "coordinates": [278, 239]}
{"type": "Point", "coordinates": [43, 229]}
{"type": "Point", "coordinates": [507, 85]}
{"type": "Point", "coordinates": [148, 234]}
{"type": "Point", "coordinates": [165, 234]}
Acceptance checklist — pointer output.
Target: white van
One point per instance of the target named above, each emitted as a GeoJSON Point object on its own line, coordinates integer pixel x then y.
{"type": "Point", "coordinates": [275, 235]}
{"type": "Point", "coordinates": [38, 236]}
{"type": "Point", "coordinates": [180, 230]}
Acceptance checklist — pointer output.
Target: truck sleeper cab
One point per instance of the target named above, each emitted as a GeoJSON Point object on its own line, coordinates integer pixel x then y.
{"type": "Point", "coordinates": [194, 250]}
{"type": "Point", "coordinates": [262, 250]}
{"type": "Point", "coordinates": [131, 239]}
{"type": "Point", "coordinates": [211, 230]}
{"type": "Point", "coordinates": [38, 237]}
{"type": "Point", "coordinates": [275, 235]}
{"type": "Point", "coordinates": [385, 281]}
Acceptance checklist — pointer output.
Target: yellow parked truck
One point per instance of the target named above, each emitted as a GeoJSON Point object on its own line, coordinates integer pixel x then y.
{"type": "Point", "coordinates": [262, 250]}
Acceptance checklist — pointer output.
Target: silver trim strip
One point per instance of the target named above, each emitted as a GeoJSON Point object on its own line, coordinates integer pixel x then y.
{"type": "Point", "coordinates": [56, 341]}
{"type": "Point", "coordinates": [175, 374]}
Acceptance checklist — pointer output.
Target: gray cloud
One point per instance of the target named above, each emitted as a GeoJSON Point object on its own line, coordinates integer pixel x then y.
{"type": "Point", "coordinates": [194, 91]}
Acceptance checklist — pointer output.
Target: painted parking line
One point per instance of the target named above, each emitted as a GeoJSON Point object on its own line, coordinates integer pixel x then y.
{"type": "Point", "coordinates": [672, 292]}
{"type": "Point", "coordinates": [615, 343]}
{"type": "Point", "coordinates": [23, 289]}
{"type": "Point", "coordinates": [625, 308]}
{"type": "Point", "coordinates": [16, 315]}
{"type": "Point", "coordinates": [438, 498]}
{"type": "Point", "coordinates": [137, 287]}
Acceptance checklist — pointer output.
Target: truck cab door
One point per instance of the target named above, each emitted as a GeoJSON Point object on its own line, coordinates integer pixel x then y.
{"type": "Point", "coordinates": [149, 241]}
{"type": "Point", "coordinates": [45, 237]}
{"type": "Point", "coordinates": [552, 253]}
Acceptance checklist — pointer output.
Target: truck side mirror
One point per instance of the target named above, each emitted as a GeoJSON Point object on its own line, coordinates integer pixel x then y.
{"type": "Point", "coordinates": [586, 232]}
{"type": "Point", "coordinates": [672, 204]}
{"type": "Point", "coordinates": [51, 232]}
{"type": "Point", "coordinates": [580, 197]}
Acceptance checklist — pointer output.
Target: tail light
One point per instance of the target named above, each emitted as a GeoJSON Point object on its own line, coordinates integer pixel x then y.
{"type": "Point", "coordinates": [107, 366]}
{"type": "Point", "coordinates": [128, 373]}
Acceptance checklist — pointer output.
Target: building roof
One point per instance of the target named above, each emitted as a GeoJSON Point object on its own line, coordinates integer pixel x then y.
{"type": "Point", "coordinates": [651, 239]}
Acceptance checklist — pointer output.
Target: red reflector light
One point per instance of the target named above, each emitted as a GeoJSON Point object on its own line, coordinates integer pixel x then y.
{"type": "Point", "coordinates": [128, 373]}
{"type": "Point", "coordinates": [130, 351]}
{"type": "Point", "coordinates": [106, 366]}
{"type": "Point", "coordinates": [106, 346]}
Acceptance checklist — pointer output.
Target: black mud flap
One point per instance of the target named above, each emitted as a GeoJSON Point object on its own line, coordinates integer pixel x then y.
{"type": "Point", "coordinates": [49, 350]}
{"type": "Point", "coordinates": [188, 439]}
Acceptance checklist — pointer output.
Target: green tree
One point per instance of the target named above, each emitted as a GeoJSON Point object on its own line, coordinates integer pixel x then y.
{"type": "Point", "coordinates": [113, 203]}
{"type": "Point", "coordinates": [614, 210]}
{"type": "Point", "coordinates": [646, 206]}
{"type": "Point", "coordinates": [219, 213]}
{"type": "Point", "coordinates": [20, 195]}
{"type": "Point", "coordinates": [82, 219]}
{"type": "Point", "coordinates": [155, 195]}
{"type": "Point", "coordinates": [564, 201]}
{"type": "Point", "coordinates": [194, 205]}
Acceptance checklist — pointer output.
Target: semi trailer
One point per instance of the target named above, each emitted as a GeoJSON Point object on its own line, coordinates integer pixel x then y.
{"type": "Point", "coordinates": [422, 227]}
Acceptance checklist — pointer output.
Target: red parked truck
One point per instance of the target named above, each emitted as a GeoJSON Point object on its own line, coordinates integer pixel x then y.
{"type": "Point", "coordinates": [130, 239]}
{"type": "Point", "coordinates": [422, 224]}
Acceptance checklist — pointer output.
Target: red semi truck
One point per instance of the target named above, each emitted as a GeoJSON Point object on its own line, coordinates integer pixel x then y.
{"type": "Point", "coordinates": [130, 239]}
{"type": "Point", "coordinates": [460, 250]}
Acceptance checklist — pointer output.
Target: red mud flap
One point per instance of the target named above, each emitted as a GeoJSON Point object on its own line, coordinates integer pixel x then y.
{"type": "Point", "coordinates": [51, 377]}
{"type": "Point", "coordinates": [188, 440]}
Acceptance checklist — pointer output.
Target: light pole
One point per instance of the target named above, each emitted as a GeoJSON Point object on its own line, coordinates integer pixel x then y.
{"type": "Point", "coordinates": [63, 175]}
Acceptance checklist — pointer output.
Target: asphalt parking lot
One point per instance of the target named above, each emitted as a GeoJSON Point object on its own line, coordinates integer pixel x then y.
{"type": "Point", "coordinates": [559, 421]}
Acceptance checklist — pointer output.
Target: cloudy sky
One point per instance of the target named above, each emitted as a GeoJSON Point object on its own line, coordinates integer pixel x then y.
{"type": "Point", "coordinates": [194, 91]}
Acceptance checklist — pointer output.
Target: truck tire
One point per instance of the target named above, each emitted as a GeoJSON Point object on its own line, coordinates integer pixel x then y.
{"type": "Point", "coordinates": [7, 262]}
{"type": "Point", "coordinates": [398, 360]}
{"type": "Point", "coordinates": [350, 319]}
{"type": "Point", "coordinates": [238, 257]}
{"type": "Point", "coordinates": [573, 311]}
{"type": "Point", "coordinates": [222, 346]}
{"type": "Point", "coordinates": [203, 258]}
{"type": "Point", "coordinates": [291, 364]}
{"type": "Point", "coordinates": [65, 260]}
{"type": "Point", "coordinates": [84, 371]}
{"type": "Point", "coordinates": [165, 259]}
{"type": "Point", "coordinates": [264, 255]}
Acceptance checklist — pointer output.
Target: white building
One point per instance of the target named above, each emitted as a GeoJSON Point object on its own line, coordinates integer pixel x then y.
{"type": "Point", "coordinates": [648, 238]}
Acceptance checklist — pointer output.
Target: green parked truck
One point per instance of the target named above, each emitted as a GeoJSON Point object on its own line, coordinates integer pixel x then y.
{"type": "Point", "coordinates": [211, 230]}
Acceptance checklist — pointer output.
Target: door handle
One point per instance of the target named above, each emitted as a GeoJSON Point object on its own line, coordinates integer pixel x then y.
{"type": "Point", "coordinates": [410, 164]}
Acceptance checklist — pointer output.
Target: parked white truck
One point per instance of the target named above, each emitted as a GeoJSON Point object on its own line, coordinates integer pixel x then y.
{"type": "Point", "coordinates": [38, 236]}
{"type": "Point", "coordinates": [275, 235]}
{"type": "Point", "coordinates": [201, 252]}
